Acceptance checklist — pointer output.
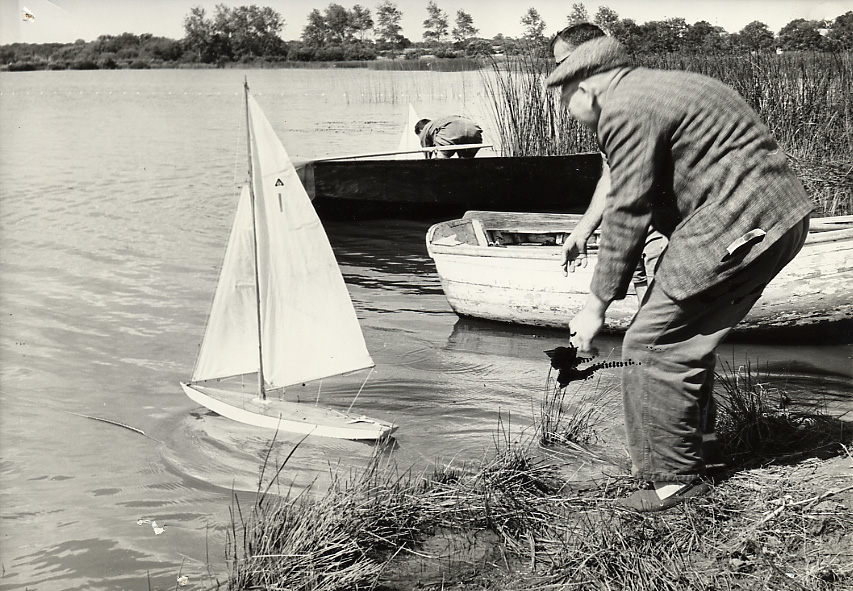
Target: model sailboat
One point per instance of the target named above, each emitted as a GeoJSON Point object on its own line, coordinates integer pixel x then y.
{"type": "Point", "coordinates": [410, 144]}
{"type": "Point", "coordinates": [281, 308]}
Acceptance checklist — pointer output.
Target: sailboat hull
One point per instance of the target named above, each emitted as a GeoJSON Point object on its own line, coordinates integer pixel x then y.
{"type": "Point", "coordinates": [292, 417]}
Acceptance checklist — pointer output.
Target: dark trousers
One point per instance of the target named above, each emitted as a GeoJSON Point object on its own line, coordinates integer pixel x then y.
{"type": "Point", "coordinates": [668, 392]}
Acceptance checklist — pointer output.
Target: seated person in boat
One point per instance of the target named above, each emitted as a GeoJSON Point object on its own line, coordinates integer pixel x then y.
{"type": "Point", "coordinates": [452, 130]}
{"type": "Point", "coordinates": [574, 248]}
{"type": "Point", "coordinates": [691, 158]}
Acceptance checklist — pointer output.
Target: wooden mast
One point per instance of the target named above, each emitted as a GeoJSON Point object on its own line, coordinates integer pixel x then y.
{"type": "Point", "coordinates": [261, 387]}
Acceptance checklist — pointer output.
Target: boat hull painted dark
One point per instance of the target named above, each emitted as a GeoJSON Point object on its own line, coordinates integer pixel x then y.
{"type": "Point", "coordinates": [355, 188]}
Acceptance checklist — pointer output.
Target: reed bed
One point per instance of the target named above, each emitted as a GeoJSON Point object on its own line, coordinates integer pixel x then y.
{"type": "Point", "coordinates": [458, 64]}
{"type": "Point", "coordinates": [528, 117]}
{"type": "Point", "coordinates": [409, 86]}
{"type": "Point", "coordinates": [766, 525]}
{"type": "Point", "coordinates": [804, 98]}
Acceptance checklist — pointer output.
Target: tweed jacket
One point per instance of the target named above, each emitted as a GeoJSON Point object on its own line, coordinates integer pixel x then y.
{"type": "Point", "coordinates": [688, 155]}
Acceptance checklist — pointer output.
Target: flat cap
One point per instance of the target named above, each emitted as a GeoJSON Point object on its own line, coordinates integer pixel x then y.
{"type": "Point", "coordinates": [591, 57]}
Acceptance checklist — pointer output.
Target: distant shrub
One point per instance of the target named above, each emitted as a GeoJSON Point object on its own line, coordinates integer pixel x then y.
{"type": "Point", "coordinates": [108, 63]}
{"type": "Point", "coordinates": [330, 54]}
{"type": "Point", "coordinates": [25, 67]}
{"type": "Point", "coordinates": [83, 64]}
{"type": "Point", "coordinates": [359, 52]}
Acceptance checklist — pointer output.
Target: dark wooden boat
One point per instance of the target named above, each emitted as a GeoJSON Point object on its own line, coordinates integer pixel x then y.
{"type": "Point", "coordinates": [450, 187]}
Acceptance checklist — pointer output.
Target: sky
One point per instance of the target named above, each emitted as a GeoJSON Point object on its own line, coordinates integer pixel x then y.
{"type": "Point", "coordinates": [64, 21]}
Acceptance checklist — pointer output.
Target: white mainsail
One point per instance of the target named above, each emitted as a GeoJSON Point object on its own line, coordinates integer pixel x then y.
{"type": "Point", "coordinates": [309, 328]}
{"type": "Point", "coordinates": [409, 141]}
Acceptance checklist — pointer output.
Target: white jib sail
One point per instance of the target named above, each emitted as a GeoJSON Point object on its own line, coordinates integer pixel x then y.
{"type": "Point", "coordinates": [230, 343]}
{"type": "Point", "coordinates": [408, 139]}
{"type": "Point", "coordinates": [308, 324]}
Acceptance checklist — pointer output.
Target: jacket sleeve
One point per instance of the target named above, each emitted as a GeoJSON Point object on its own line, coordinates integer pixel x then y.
{"type": "Point", "coordinates": [637, 151]}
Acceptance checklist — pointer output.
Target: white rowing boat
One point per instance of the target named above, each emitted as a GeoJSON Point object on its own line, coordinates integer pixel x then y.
{"type": "Point", "coordinates": [506, 267]}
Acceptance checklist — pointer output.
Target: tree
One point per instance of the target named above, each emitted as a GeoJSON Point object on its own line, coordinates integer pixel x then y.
{"type": "Point", "coordinates": [660, 36]}
{"type": "Point", "coordinates": [606, 18]}
{"type": "Point", "coordinates": [360, 21]}
{"type": "Point", "coordinates": [314, 33]}
{"type": "Point", "coordinates": [243, 32]}
{"type": "Point", "coordinates": [626, 31]}
{"type": "Point", "coordinates": [253, 31]}
{"type": "Point", "coordinates": [161, 48]}
{"type": "Point", "coordinates": [755, 37]}
{"type": "Point", "coordinates": [800, 34]}
{"type": "Point", "coordinates": [703, 36]}
{"type": "Point", "coordinates": [436, 25]}
{"type": "Point", "coordinates": [198, 33]}
{"type": "Point", "coordinates": [337, 24]}
{"type": "Point", "coordinates": [464, 28]}
{"type": "Point", "coordinates": [675, 30]}
{"type": "Point", "coordinates": [534, 26]}
{"type": "Point", "coordinates": [841, 32]}
{"type": "Point", "coordinates": [388, 23]}
{"type": "Point", "coordinates": [578, 14]}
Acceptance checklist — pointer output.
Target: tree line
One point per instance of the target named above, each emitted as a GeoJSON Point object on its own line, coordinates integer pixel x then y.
{"type": "Point", "coordinates": [247, 34]}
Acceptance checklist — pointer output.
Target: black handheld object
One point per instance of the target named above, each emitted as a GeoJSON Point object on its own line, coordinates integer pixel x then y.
{"type": "Point", "coordinates": [565, 360]}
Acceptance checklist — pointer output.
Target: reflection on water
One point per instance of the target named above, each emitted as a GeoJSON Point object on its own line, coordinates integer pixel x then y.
{"type": "Point", "coordinates": [118, 190]}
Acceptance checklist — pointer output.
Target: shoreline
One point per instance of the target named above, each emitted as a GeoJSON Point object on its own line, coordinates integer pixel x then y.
{"type": "Point", "coordinates": [780, 515]}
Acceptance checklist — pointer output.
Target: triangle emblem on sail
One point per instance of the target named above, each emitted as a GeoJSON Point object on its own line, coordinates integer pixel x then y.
{"type": "Point", "coordinates": [281, 308]}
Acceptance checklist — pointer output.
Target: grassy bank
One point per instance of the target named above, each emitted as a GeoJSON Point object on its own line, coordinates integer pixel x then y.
{"type": "Point", "coordinates": [805, 99]}
{"type": "Point", "coordinates": [782, 517]}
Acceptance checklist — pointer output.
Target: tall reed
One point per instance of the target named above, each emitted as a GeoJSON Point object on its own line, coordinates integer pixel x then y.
{"type": "Point", "coordinates": [529, 118]}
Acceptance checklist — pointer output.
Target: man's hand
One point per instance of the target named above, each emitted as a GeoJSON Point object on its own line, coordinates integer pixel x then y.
{"type": "Point", "coordinates": [574, 248]}
{"type": "Point", "coordinates": [587, 324]}
{"type": "Point", "coordinates": [574, 252]}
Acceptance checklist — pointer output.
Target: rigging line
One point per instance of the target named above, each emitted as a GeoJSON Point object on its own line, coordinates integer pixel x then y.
{"type": "Point", "coordinates": [85, 416]}
{"type": "Point", "coordinates": [360, 389]}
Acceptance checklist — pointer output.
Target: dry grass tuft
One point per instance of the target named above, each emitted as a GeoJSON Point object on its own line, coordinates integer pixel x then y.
{"type": "Point", "coordinates": [758, 423]}
{"type": "Point", "coordinates": [569, 416]}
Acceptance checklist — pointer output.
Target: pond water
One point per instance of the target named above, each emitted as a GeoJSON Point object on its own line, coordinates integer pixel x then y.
{"type": "Point", "coordinates": [118, 190]}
